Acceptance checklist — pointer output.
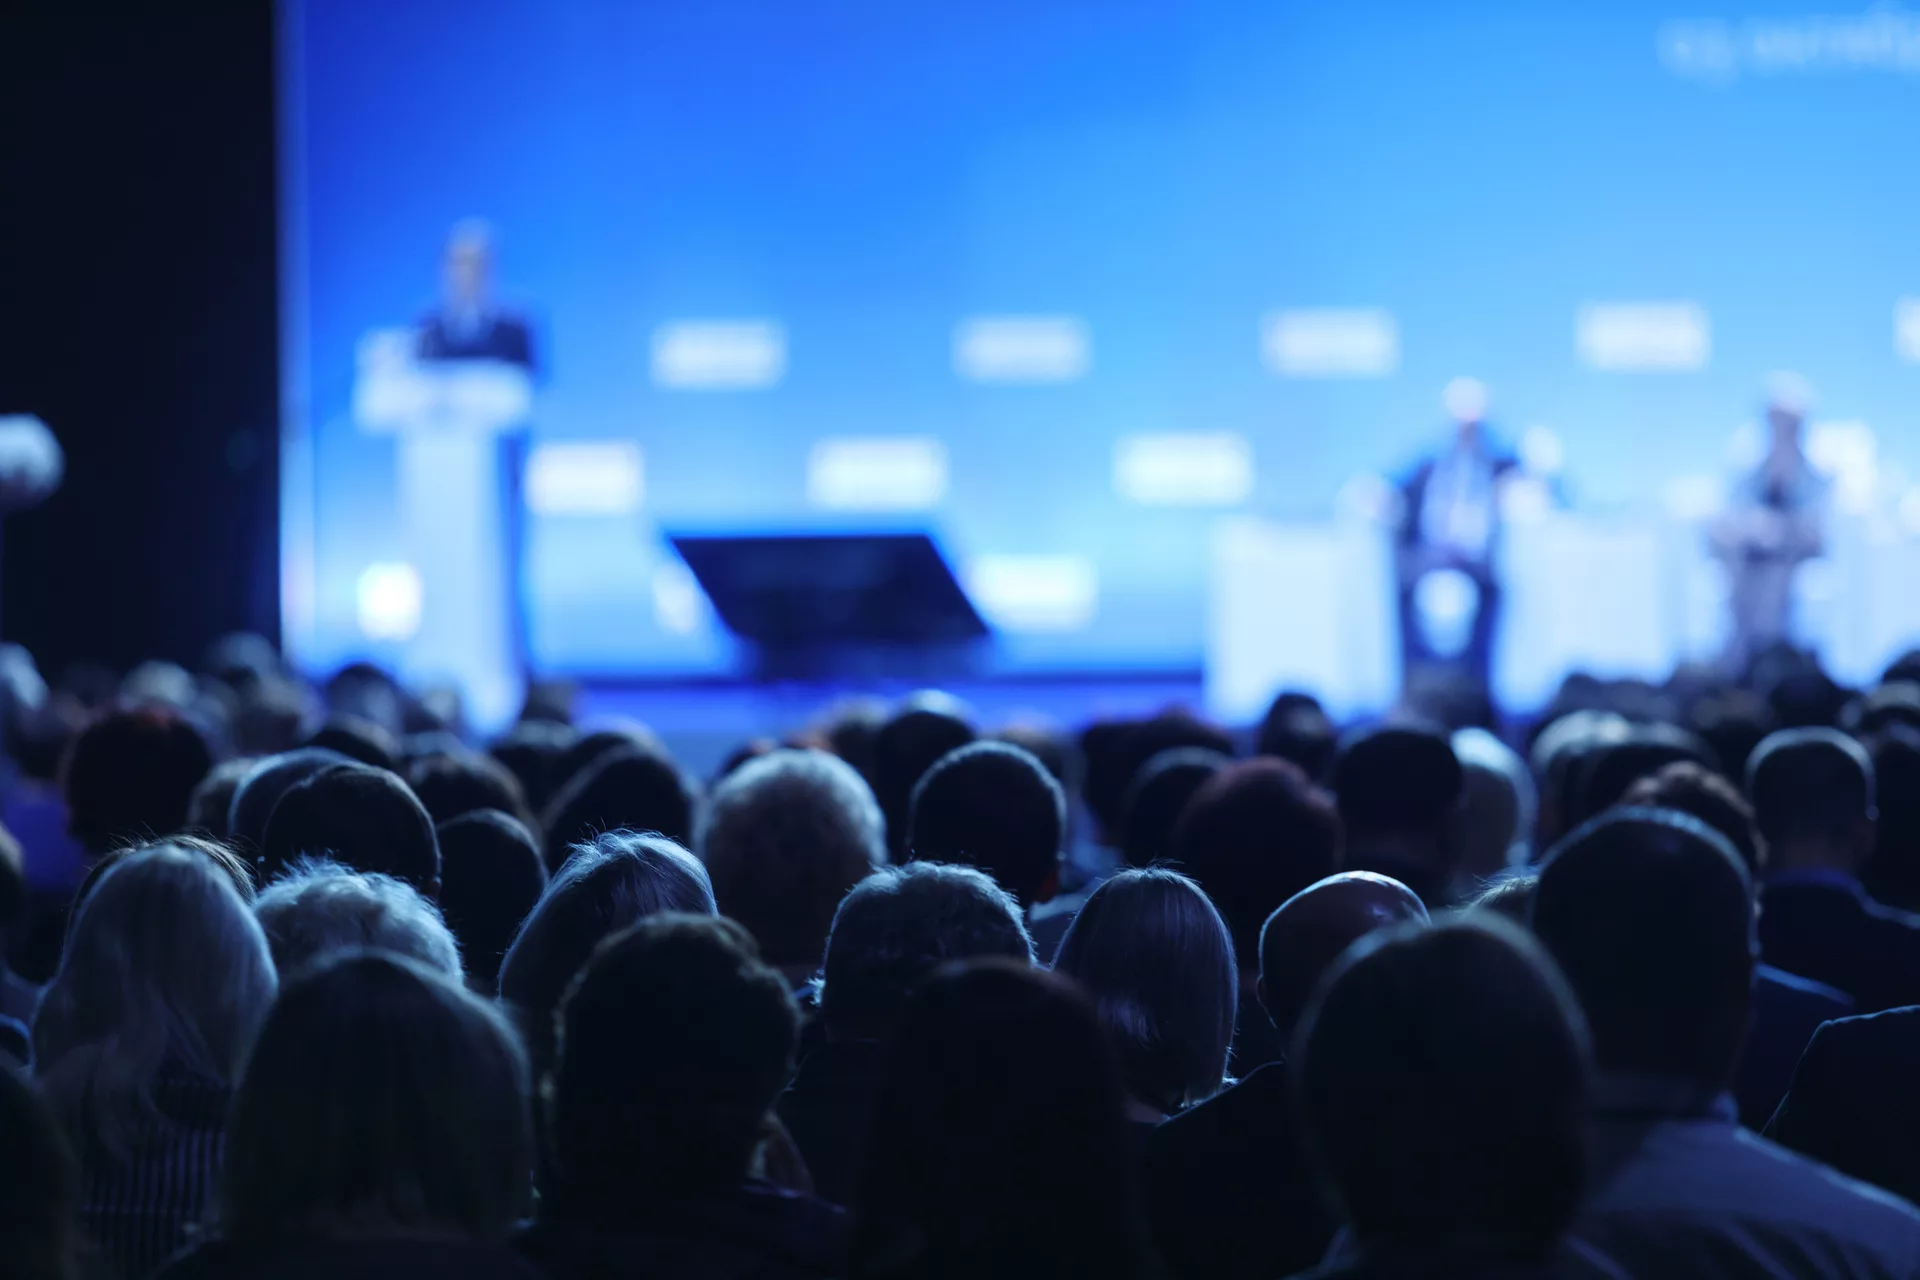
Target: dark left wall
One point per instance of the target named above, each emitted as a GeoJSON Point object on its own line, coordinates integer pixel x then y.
{"type": "Point", "coordinates": [138, 295]}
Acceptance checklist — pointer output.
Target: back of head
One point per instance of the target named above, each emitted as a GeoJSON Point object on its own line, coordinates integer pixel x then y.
{"type": "Point", "coordinates": [906, 746]}
{"type": "Point", "coordinates": [359, 739]}
{"type": "Point", "coordinates": [994, 806]}
{"type": "Point", "coordinates": [261, 787]}
{"type": "Point", "coordinates": [899, 925]}
{"type": "Point", "coordinates": [320, 908]}
{"type": "Point", "coordinates": [212, 801]}
{"type": "Point", "coordinates": [603, 888]}
{"type": "Point", "coordinates": [999, 1119]}
{"type": "Point", "coordinates": [380, 1100]}
{"type": "Point", "coordinates": [1893, 871]}
{"type": "Point", "coordinates": [454, 785]}
{"type": "Point", "coordinates": [1256, 834]}
{"type": "Point", "coordinates": [589, 748]}
{"type": "Point", "coordinates": [1495, 816]}
{"type": "Point", "coordinates": [1158, 961]}
{"type": "Point", "coordinates": [532, 751]}
{"type": "Point", "coordinates": [1132, 746]}
{"type": "Point", "coordinates": [1312, 929]}
{"type": "Point", "coordinates": [1605, 774]}
{"type": "Point", "coordinates": [1510, 897]}
{"type": "Point", "coordinates": [130, 776]}
{"type": "Point", "coordinates": [39, 1185]}
{"type": "Point", "coordinates": [1702, 793]}
{"type": "Point", "coordinates": [490, 877]}
{"type": "Point", "coordinates": [625, 789]}
{"type": "Point", "coordinates": [1811, 786]}
{"type": "Point", "coordinates": [1158, 796]}
{"type": "Point", "coordinates": [1044, 743]}
{"type": "Point", "coordinates": [1297, 729]}
{"type": "Point", "coordinates": [1732, 722]}
{"type": "Point", "coordinates": [360, 817]}
{"type": "Point", "coordinates": [1397, 786]}
{"type": "Point", "coordinates": [1650, 916]}
{"type": "Point", "coordinates": [164, 965]}
{"type": "Point", "coordinates": [786, 836]}
{"type": "Point", "coordinates": [1441, 1076]}
{"type": "Point", "coordinates": [675, 1040]}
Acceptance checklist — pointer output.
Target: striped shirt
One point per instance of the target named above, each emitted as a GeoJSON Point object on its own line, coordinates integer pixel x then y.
{"type": "Point", "coordinates": [140, 1210]}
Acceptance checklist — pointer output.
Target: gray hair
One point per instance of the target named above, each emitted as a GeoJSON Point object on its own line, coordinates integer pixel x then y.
{"type": "Point", "coordinates": [322, 907]}
{"type": "Point", "coordinates": [785, 837]}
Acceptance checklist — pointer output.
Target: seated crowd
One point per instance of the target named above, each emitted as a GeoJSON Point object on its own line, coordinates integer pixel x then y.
{"type": "Point", "coordinates": [304, 983]}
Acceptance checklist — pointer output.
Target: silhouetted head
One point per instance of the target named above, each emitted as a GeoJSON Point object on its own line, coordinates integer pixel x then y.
{"type": "Point", "coordinates": [454, 785]}
{"type": "Point", "coordinates": [1000, 1117]}
{"type": "Point", "coordinates": [1297, 729]}
{"type": "Point", "coordinates": [1397, 786]}
{"type": "Point", "coordinates": [532, 751]}
{"type": "Point", "coordinates": [675, 1040]}
{"type": "Point", "coordinates": [1705, 794]}
{"type": "Point", "coordinates": [1509, 896]}
{"type": "Point", "coordinates": [1812, 793]}
{"type": "Point", "coordinates": [490, 877]}
{"type": "Point", "coordinates": [1158, 796]}
{"type": "Point", "coordinates": [899, 925]}
{"type": "Point", "coordinates": [380, 1101]}
{"type": "Point", "coordinates": [1157, 959]}
{"type": "Point", "coordinates": [319, 909]}
{"type": "Point", "coordinates": [212, 800]}
{"type": "Point", "coordinates": [621, 790]}
{"type": "Point", "coordinates": [130, 776]}
{"type": "Point", "coordinates": [1441, 1076]}
{"type": "Point", "coordinates": [1256, 834]}
{"type": "Point", "coordinates": [260, 789]}
{"type": "Point", "coordinates": [1893, 869]}
{"type": "Point", "coordinates": [1313, 928]}
{"type": "Point", "coordinates": [39, 1185]}
{"type": "Point", "coordinates": [363, 818]}
{"type": "Point", "coordinates": [994, 806]}
{"type": "Point", "coordinates": [1650, 915]}
{"type": "Point", "coordinates": [786, 836]}
{"type": "Point", "coordinates": [1116, 751]}
{"type": "Point", "coordinates": [360, 739]}
{"type": "Point", "coordinates": [904, 748]}
{"type": "Point", "coordinates": [1494, 819]}
{"type": "Point", "coordinates": [1604, 774]}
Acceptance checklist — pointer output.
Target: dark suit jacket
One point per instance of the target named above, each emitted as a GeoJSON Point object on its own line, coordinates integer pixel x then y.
{"type": "Point", "coordinates": [1830, 931]}
{"type": "Point", "coordinates": [1855, 1101]}
{"type": "Point", "coordinates": [1787, 1010]}
{"type": "Point", "coordinates": [503, 337]}
{"type": "Point", "coordinates": [825, 1110]}
{"type": "Point", "coordinates": [1228, 1192]}
{"type": "Point", "coordinates": [390, 1259]}
{"type": "Point", "coordinates": [756, 1232]}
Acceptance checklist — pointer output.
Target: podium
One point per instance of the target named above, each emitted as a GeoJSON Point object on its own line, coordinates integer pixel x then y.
{"type": "Point", "coordinates": [448, 420]}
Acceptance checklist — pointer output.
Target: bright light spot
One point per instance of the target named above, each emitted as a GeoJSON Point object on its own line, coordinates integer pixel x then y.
{"type": "Point", "coordinates": [719, 355]}
{"type": "Point", "coordinates": [1330, 342]}
{"type": "Point", "coordinates": [1525, 499]}
{"type": "Point", "coordinates": [1541, 451]}
{"type": "Point", "coordinates": [1212, 469]}
{"type": "Point", "coordinates": [1034, 592]}
{"type": "Point", "coordinates": [1624, 337]}
{"type": "Point", "coordinates": [388, 601]}
{"type": "Point", "coordinates": [586, 478]}
{"type": "Point", "coordinates": [877, 473]}
{"type": "Point", "coordinates": [1022, 348]}
{"type": "Point", "coordinates": [1444, 603]}
{"type": "Point", "coordinates": [679, 605]}
{"type": "Point", "coordinates": [1694, 498]}
{"type": "Point", "coordinates": [1849, 453]}
{"type": "Point", "coordinates": [1369, 497]}
{"type": "Point", "coordinates": [1465, 399]}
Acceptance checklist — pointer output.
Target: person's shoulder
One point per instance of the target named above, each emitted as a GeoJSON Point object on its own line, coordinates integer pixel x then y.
{"type": "Point", "coordinates": [1805, 990]}
{"type": "Point", "coordinates": [1815, 1193]}
{"type": "Point", "coordinates": [1877, 1034]}
{"type": "Point", "coordinates": [1258, 1101]}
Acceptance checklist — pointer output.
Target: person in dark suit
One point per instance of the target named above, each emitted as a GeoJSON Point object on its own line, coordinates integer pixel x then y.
{"type": "Point", "coordinates": [1812, 793]}
{"type": "Point", "coordinates": [1228, 1191]}
{"type": "Point", "coordinates": [1852, 1104]}
{"type": "Point", "coordinates": [469, 324]}
{"type": "Point", "coordinates": [1450, 524]}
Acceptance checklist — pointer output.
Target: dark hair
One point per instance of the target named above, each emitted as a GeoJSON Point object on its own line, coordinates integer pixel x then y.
{"type": "Point", "coordinates": [1605, 774]}
{"type": "Point", "coordinates": [606, 886]}
{"type": "Point", "coordinates": [1892, 873]}
{"type": "Point", "coordinates": [380, 1097]}
{"type": "Point", "coordinates": [1441, 1077]}
{"type": "Point", "coordinates": [904, 748]}
{"type": "Point", "coordinates": [588, 749]}
{"type": "Point", "coordinates": [622, 789]}
{"type": "Point", "coordinates": [238, 873]}
{"type": "Point", "coordinates": [490, 877]}
{"type": "Point", "coordinates": [1650, 915]}
{"type": "Point", "coordinates": [999, 1119]}
{"type": "Point", "coordinates": [900, 924]}
{"type": "Point", "coordinates": [1158, 796]}
{"type": "Point", "coordinates": [1732, 722]}
{"type": "Point", "coordinates": [675, 1039]}
{"type": "Point", "coordinates": [1510, 896]}
{"type": "Point", "coordinates": [1296, 729]}
{"type": "Point", "coordinates": [130, 776]}
{"type": "Point", "coordinates": [786, 836]}
{"type": "Point", "coordinates": [1158, 961]}
{"type": "Point", "coordinates": [1116, 751]}
{"type": "Point", "coordinates": [212, 801]}
{"type": "Point", "coordinates": [1046, 744]}
{"type": "Point", "coordinates": [260, 790]}
{"type": "Point", "coordinates": [1309, 931]}
{"type": "Point", "coordinates": [452, 786]}
{"type": "Point", "coordinates": [39, 1186]}
{"type": "Point", "coordinates": [319, 908]}
{"type": "Point", "coordinates": [532, 751]}
{"type": "Point", "coordinates": [1699, 792]}
{"type": "Point", "coordinates": [1810, 784]}
{"type": "Point", "coordinates": [360, 817]}
{"type": "Point", "coordinates": [1396, 778]}
{"type": "Point", "coordinates": [359, 739]}
{"type": "Point", "coordinates": [994, 806]}
{"type": "Point", "coordinates": [1256, 834]}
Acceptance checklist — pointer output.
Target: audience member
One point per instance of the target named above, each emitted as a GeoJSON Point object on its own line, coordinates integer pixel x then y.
{"type": "Point", "coordinates": [1126, 751]}
{"type": "Point", "coordinates": [1732, 722]}
{"type": "Point", "coordinates": [1255, 835]}
{"type": "Point", "coordinates": [532, 751]}
{"type": "Point", "coordinates": [998, 1142]}
{"type": "Point", "coordinates": [1812, 792]}
{"type": "Point", "coordinates": [891, 931]}
{"type": "Point", "coordinates": [904, 748]}
{"type": "Point", "coordinates": [588, 749]}
{"type": "Point", "coordinates": [1442, 1079]}
{"type": "Point", "coordinates": [993, 806]}
{"type": "Point", "coordinates": [605, 886]}
{"type": "Point", "coordinates": [490, 877]}
{"type": "Point", "coordinates": [1604, 774]}
{"type": "Point", "coordinates": [453, 785]}
{"type": "Point", "coordinates": [212, 801]}
{"type": "Point", "coordinates": [260, 789]}
{"type": "Point", "coordinates": [621, 789]}
{"type": "Point", "coordinates": [1493, 825]}
{"type": "Point", "coordinates": [39, 1187]}
{"type": "Point", "coordinates": [1158, 796]}
{"type": "Point", "coordinates": [674, 1042]}
{"type": "Point", "coordinates": [381, 1130]}
{"type": "Point", "coordinates": [1296, 729]}
{"type": "Point", "coordinates": [319, 908]}
{"type": "Point", "coordinates": [1228, 1190]}
{"type": "Point", "coordinates": [1044, 743]}
{"type": "Point", "coordinates": [1510, 897]}
{"type": "Point", "coordinates": [225, 860]}
{"type": "Point", "coordinates": [361, 817]}
{"type": "Point", "coordinates": [359, 739]}
{"type": "Point", "coordinates": [1650, 915]}
{"type": "Point", "coordinates": [1157, 959]}
{"type": "Point", "coordinates": [138, 1041]}
{"type": "Point", "coordinates": [130, 776]}
{"type": "Point", "coordinates": [1892, 872]}
{"type": "Point", "coordinates": [1397, 787]}
{"type": "Point", "coordinates": [785, 838]}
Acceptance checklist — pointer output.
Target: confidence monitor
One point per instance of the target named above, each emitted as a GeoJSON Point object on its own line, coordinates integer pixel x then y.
{"type": "Point", "coordinates": [839, 604]}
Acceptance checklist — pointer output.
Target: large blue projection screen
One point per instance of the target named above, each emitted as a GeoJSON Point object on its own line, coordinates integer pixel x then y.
{"type": "Point", "coordinates": [1073, 286]}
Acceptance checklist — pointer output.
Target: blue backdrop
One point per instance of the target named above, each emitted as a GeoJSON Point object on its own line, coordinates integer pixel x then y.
{"type": "Point", "coordinates": [869, 174]}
